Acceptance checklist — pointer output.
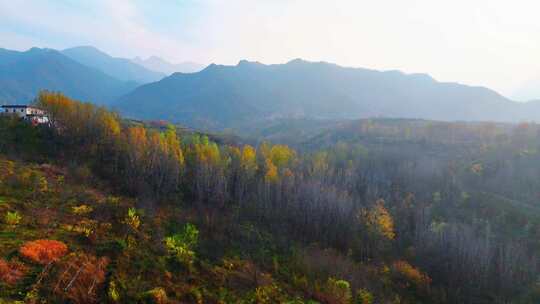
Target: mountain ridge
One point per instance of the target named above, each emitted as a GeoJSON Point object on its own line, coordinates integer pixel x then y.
{"type": "Point", "coordinates": [24, 74]}
{"type": "Point", "coordinates": [120, 68]}
{"type": "Point", "coordinates": [224, 95]}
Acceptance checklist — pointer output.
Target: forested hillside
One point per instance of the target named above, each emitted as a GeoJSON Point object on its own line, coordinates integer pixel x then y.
{"type": "Point", "coordinates": [100, 209]}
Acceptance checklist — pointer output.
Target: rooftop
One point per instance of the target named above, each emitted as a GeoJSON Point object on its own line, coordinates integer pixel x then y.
{"type": "Point", "coordinates": [19, 106]}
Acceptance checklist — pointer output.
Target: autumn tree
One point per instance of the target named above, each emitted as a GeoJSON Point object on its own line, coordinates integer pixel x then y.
{"type": "Point", "coordinates": [377, 230]}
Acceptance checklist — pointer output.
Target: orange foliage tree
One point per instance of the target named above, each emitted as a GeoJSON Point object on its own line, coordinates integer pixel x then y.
{"type": "Point", "coordinates": [43, 251]}
{"type": "Point", "coordinates": [407, 276]}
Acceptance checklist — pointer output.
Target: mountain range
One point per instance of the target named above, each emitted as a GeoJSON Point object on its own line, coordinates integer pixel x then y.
{"type": "Point", "coordinates": [248, 93]}
{"type": "Point", "coordinates": [235, 96]}
{"type": "Point", "coordinates": [24, 74]}
{"type": "Point", "coordinates": [83, 72]}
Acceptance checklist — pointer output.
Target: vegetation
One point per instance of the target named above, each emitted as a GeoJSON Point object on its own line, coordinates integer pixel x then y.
{"type": "Point", "coordinates": [111, 210]}
{"type": "Point", "coordinates": [12, 218]}
{"type": "Point", "coordinates": [43, 251]}
{"type": "Point", "coordinates": [181, 246]}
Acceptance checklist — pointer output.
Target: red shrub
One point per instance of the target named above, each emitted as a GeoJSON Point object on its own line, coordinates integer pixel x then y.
{"type": "Point", "coordinates": [43, 251]}
{"type": "Point", "coordinates": [11, 272]}
{"type": "Point", "coordinates": [79, 278]}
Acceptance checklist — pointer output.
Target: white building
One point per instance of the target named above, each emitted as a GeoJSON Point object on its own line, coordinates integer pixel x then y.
{"type": "Point", "coordinates": [31, 113]}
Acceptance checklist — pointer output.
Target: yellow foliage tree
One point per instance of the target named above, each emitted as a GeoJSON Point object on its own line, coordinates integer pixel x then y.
{"type": "Point", "coordinates": [248, 159]}
{"type": "Point", "coordinates": [379, 220]}
{"type": "Point", "coordinates": [319, 163]}
{"type": "Point", "coordinates": [281, 155]}
{"type": "Point", "coordinates": [271, 175]}
{"type": "Point", "coordinates": [173, 144]}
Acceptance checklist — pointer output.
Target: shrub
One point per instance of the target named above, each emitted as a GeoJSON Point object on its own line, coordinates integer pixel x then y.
{"type": "Point", "coordinates": [43, 251]}
{"type": "Point", "coordinates": [336, 292]}
{"type": "Point", "coordinates": [81, 210]}
{"type": "Point", "coordinates": [11, 272]}
{"type": "Point", "coordinates": [194, 295]}
{"type": "Point", "coordinates": [82, 173]}
{"type": "Point", "coordinates": [12, 218]}
{"type": "Point", "coordinates": [132, 219]}
{"type": "Point", "coordinates": [36, 181]}
{"type": "Point", "coordinates": [78, 278]}
{"type": "Point", "coordinates": [7, 169]}
{"type": "Point", "coordinates": [84, 227]}
{"type": "Point", "coordinates": [42, 185]}
{"type": "Point", "coordinates": [155, 296]}
{"type": "Point", "coordinates": [113, 293]}
{"type": "Point", "coordinates": [363, 296]}
{"type": "Point", "coordinates": [181, 245]}
{"type": "Point", "coordinates": [268, 294]}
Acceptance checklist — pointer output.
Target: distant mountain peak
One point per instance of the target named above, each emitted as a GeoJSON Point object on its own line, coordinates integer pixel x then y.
{"type": "Point", "coordinates": [87, 49]}
{"type": "Point", "coordinates": [40, 50]}
{"type": "Point", "coordinates": [243, 62]}
{"type": "Point", "coordinates": [212, 67]}
{"type": "Point", "coordinates": [120, 68]}
{"type": "Point", "coordinates": [159, 64]}
{"type": "Point", "coordinates": [298, 61]}
{"type": "Point", "coordinates": [247, 63]}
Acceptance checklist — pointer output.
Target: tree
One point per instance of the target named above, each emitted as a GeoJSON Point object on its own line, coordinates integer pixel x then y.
{"type": "Point", "coordinates": [379, 220]}
{"type": "Point", "coordinates": [271, 175]}
{"type": "Point", "coordinates": [378, 230]}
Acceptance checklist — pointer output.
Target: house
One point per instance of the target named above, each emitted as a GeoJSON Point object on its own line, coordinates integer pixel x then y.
{"type": "Point", "coordinates": [30, 113]}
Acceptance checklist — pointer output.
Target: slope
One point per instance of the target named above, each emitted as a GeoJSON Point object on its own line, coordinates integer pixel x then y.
{"type": "Point", "coordinates": [24, 74]}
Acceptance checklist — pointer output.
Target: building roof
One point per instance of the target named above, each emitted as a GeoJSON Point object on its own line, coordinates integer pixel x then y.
{"type": "Point", "coordinates": [19, 106]}
{"type": "Point", "coordinates": [15, 106]}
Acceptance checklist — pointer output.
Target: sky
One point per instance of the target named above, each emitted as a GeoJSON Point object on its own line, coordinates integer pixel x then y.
{"type": "Point", "coordinates": [493, 43]}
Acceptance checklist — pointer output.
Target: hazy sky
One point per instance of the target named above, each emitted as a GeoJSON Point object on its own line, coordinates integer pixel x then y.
{"type": "Point", "coordinates": [494, 43]}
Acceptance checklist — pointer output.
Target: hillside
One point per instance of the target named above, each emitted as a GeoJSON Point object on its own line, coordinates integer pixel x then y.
{"type": "Point", "coordinates": [93, 239]}
{"type": "Point", "coordinates": [119, 68]}
{"type": "Point", "coordinates": [101, 209]}
{"type": "Point", "coordinates": [227, 96]}
{"type": "Point", "coordinates": [24, 74]}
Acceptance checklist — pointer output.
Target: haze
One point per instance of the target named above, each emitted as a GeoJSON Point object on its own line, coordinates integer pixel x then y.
{"type": "Point", "coordinates": [488, 43]}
